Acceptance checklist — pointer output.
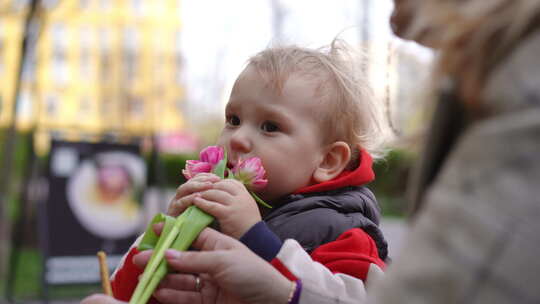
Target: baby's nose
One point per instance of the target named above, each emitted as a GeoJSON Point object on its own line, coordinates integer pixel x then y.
{"type": "Point", "coordinates": [240, 141]}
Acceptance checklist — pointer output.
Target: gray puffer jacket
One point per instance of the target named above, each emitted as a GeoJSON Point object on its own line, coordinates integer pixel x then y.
{"type": "Point", "coordinates": [314, 219]}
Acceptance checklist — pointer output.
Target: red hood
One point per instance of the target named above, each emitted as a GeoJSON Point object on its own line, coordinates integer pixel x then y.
{"type": "Point", "coordinates": [363, 174]}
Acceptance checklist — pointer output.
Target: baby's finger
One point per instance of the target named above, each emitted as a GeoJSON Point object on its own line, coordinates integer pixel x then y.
{"type": "Point", "coordinates": [217, 196]}
{"type": "Point", "coordinates": [217, 210]}
{"type": "Point", "coordinates": [178, 206]}
{"type": "Point", "coordinates": [206, 177]}
{"type": "Point", "coordinates": [193, 185]}
{"type": "Point", "coordinates": [230, 186]}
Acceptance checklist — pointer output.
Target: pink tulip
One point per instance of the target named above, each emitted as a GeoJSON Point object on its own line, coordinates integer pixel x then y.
{"type": "Point", "coordinates": [209, 158]}
{"type": "Point", "coordinates": [212, 155]}
{"type": "Point", "coordinates": [194, 167]}
{"type": "Point", "coordinates": [251, 173]}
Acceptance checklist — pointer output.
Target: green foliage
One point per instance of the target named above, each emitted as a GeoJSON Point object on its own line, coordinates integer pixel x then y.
{"type": "Point", "coordinates": [20, 159]}
{"type": "Point", "coordinates": [27, 282]}
{"type": "Point", "coordinates": [170, 168]}
{"type": "Point", "coordinates": [28, 272]}
{"type": "Point", "coordinates": [391, 182]}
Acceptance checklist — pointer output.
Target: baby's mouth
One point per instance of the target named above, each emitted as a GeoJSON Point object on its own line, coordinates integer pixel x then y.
{"type": "Point", "coordinates": [230, 164]}
{"type": "Point", "coordinates": [233, 162]}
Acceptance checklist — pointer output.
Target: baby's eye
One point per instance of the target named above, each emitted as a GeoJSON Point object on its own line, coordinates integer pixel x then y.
{"type": "Point", "coordinates": [269, 126]}
{"type": "Point", "coordinates": [232, 120]}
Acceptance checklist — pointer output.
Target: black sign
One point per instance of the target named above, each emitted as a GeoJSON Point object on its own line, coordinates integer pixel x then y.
{"type": "Point", "coordinates": [94, 203]}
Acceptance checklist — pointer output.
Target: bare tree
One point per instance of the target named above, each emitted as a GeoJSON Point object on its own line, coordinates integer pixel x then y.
{"type": "Point", "coordinates": [278, 17]}
{"type": "Point", "coordinates": [9, 141]}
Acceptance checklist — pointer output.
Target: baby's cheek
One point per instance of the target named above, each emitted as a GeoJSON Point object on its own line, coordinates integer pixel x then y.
{"type": "Point", "coordinates": [277, 189]}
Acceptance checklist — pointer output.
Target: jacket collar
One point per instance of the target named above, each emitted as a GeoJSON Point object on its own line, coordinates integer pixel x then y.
{"type": "Point", "coordinates": [363, 174]}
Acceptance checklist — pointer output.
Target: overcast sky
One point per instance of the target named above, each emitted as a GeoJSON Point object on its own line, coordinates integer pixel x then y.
{"type": "Point", "coordinates": [219, 36]}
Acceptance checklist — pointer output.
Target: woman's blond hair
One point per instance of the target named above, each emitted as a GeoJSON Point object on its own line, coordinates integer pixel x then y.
{"type": "Point", "coordinates": [472, 36]}
{"type": "Point", "coordinates": [350, 112]}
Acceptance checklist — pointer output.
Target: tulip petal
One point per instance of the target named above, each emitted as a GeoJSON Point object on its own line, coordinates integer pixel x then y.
{"type": "Point", "coordinates": [212, 155]}
{"type": "Point", "coordinates": [194, 167]}
{"type": "Point", "coordinates": [251, 173]}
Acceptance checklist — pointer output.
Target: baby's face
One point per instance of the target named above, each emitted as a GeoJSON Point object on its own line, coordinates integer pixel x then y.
{"type": "Point", "coordinates": [280, 129]}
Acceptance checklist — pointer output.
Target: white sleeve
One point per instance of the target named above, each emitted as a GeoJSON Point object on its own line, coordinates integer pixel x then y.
{"type": "Point", "coordinates": [319, 284]}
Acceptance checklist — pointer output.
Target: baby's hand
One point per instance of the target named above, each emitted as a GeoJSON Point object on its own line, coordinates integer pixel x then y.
{"type": "Point", "coordinates": [231, 204]}
{"type": "Point", "coordinates": [187, 191]}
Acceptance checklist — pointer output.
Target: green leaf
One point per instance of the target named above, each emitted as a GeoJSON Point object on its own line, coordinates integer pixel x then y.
{"type": "Point", "coordinates": [259, 200]}
{"type": "Point", "coordinates": [150, 238]}
{"type": "Point", "coordinates": [177, 234]}
{"type": "Point", "coordinates": [219, 169]}
{"type": "Point", "coordinates": [189, 224]}
{"type": "Point", "coordinates": [168, 235]}
{"type": "Point", "coordinates": [192, 226]}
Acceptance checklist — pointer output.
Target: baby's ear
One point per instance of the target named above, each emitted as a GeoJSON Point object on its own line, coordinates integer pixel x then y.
{"type": "Point", "coordinates": [334, 162]}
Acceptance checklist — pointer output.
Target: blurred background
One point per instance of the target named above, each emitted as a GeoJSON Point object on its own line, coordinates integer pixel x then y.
{"type": "Point", "coordinates": [102, 101]}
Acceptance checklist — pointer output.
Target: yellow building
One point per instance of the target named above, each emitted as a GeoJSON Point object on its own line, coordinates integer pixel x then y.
{"type": "Point", "coordinates": [10, 44]}
{"type": "Point", "coordinates": [101, 66]}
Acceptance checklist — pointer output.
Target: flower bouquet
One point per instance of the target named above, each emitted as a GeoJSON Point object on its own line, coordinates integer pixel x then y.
{"type": "Point", "coordinates": [178, 233]}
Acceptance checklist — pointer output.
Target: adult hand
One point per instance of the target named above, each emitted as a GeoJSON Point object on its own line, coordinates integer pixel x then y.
{"type": "Point", "coordinates": [229, 273]}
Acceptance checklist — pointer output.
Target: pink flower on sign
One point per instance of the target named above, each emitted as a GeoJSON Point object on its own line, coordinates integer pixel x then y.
{"type": "Point", "coordinates": [251, 173]}
{"type": "Point", "coordinates": [209, 158]}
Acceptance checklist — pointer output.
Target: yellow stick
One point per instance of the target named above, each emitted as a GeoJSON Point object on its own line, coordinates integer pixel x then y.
{"type": "Point", "coordinates": [104, 271]}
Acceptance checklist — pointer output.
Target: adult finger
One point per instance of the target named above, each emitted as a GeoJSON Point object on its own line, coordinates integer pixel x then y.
{"type": "Point", "coordinates": [213, 256]}
{"type": "Point", "coordinates": [142, 258]}
{"type": "Point", "coordinates": [158, 227]}
{"type": "Point", "coordinates": [179, 281]}
{"type": "Point", "coordinates": [100, 299]}
{"type": "Point", "coordinates": [207, 294]}
{"type": "Point", "coordinates": [174, 296]}
{"type": "Point", "coordinates": [195, 262]}
{"type": "Point", "coordinates": [210, 239]}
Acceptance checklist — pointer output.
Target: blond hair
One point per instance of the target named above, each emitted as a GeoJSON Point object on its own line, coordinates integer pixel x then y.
{"type": "Point", "coordinates": [351, 113]}
{"type": "Point", "coordinates": [473, 36]}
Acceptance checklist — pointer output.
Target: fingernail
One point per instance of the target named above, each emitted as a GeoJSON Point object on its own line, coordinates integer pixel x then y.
{"type": "Point", "coordinates": [172, 254]}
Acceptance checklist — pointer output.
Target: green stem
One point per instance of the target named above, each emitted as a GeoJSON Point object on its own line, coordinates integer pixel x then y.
{"type": "Point", "coordinates": [259, 200]}
{"type": "Point", "coordinates": [169, 234]}
{"type": "Point", "coordinates": [156, 258]}
{"type": "Point", "coordinates": [158, 275]}
{"type": "Point", "coordinates": [187, 227]}
{"type": "Point", "coordinates": [190, 223]}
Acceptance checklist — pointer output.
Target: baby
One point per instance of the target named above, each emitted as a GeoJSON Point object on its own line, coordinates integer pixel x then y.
{"type": "Point", "coordinates": [311, 119]}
